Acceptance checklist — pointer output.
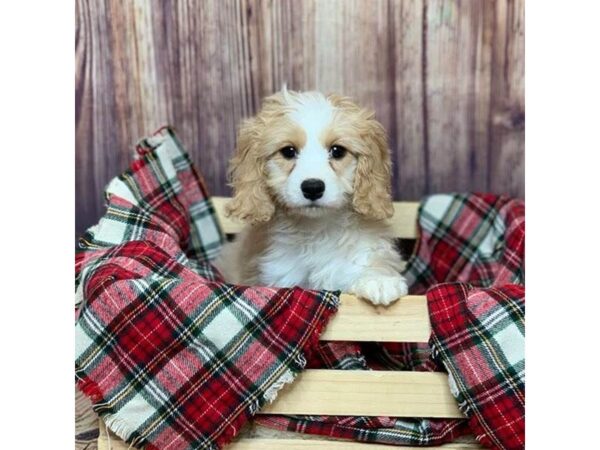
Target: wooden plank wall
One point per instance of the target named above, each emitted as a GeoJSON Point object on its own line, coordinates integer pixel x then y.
{"type": "Point", "coordinates": [445, 77]}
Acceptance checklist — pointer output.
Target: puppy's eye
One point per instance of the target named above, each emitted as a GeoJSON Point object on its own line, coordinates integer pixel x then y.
{"type": "Point", "coordinates": [288, 152]}
{"type": "Point", "coordinates": [337, 152]}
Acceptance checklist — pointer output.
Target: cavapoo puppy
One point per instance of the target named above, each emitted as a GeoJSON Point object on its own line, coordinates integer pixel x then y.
{"type": "Point", "coordinates": [311, 179]}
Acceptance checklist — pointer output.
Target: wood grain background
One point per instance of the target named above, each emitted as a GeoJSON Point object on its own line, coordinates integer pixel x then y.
{"type": "Point", "coordinates": [445, 77]}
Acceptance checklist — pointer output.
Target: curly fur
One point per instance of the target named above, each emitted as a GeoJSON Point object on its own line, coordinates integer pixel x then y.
{"type": "Point", "coordinates": [338, 241]}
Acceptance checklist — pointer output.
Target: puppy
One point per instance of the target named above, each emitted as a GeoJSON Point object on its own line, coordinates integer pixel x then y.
{"type": "Point", "coordinates": [311, 179]}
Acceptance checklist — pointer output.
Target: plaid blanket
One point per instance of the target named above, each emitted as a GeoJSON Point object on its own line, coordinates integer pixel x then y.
{"type": "Point", "coordinates": [473, 238]}
{"type": "Point", "coordinates": [479, 335]}
{"type": "Point", "coordinates": [167, 351]}
{"type": "Point", "coordinates": [478, 327]}
{"type": "Point", "coordinates": [170, 356]}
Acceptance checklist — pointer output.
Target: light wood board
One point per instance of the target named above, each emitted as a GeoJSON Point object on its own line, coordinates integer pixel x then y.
{"type": "Point", "coordinates": [287, 444]}
{"type": "Point", "coordinates": [302, 442]}
{"type": "Point", "coordinates": [404, 221]}
{"type": "Point", "coordinates": [367, 393]}
{"type": "Point", "coordinates": [321, 444]}
{"type": "Point", "coordinates": [347, 392]}
{"type": "Point", "coordinates": [406, 320]}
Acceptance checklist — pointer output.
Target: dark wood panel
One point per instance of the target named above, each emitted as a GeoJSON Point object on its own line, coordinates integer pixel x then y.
{"type": "Point", "coordinates": [507, 121]}
{"type": "Point", "coordinates": [457, 65]}
{"type": "Point", "coordinates": [445, 78]}
{"type": "Point", "coordinates": [407, 93]}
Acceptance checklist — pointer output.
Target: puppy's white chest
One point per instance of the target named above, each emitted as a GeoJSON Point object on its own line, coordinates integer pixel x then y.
{"type": "Point", "coordinates": [316, 261]}
{"type": "Point", "coordinates": [284, 266]}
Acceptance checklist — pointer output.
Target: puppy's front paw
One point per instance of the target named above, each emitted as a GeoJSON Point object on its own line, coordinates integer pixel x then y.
{"type": "Point", "coordinates": [380, 290]}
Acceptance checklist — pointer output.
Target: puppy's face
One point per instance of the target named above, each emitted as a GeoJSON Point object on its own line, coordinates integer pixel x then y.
{"type": "Point", "coordinates": [309, 154]}
{"type": "Point", "coordinates": [309, 168]}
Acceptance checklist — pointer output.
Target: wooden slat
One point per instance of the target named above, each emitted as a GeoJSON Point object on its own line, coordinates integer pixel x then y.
{"type": "Point", "coordinates": [303, 442]}
{"type": "Point", "coordinates": [507, 119]}
{"type": "Point", "coordinates": [368, 393]}
{"type": "Point", "coordinates": [321, 444]}
{"type": "Point", "coordinates": [347, 392]}
{"type": "Point", "coordinates": [404, 221]}
{"type": "Point", "coordinates": [456, 73]}
{"type": "Point", "coordinates": [290, 444]}
{"type": "Point", "coordinates": [407, 320]}
{"type": "Point", "coordinates": [407, 126]}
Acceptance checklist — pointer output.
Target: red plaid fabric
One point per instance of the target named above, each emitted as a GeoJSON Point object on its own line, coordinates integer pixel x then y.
{"type": "Point", "coordinates": [463, 237]}
{"type": "Point", "coordinates": [170, 356]}
{"type": "Point", "coordinates": [382, 430]}
{"type": "Point", "coordinates": [479, 335]}
{"type": "Point", "coordinates": [474, 238]}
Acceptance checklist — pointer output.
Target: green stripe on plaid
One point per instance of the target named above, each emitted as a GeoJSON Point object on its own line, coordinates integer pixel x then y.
{"type": "Point", "coordinates": [474, 237]}
{"type": "Point", "coordinates": [464, 237]}
{"type": "Point", "coordinates": [166, 160]}
{"type": "Point", "coordinates": [169, 354]}
{"type": "Point", "coordinates": [139, 270]}
{"type": "Point", "coordinates": [479, 336]}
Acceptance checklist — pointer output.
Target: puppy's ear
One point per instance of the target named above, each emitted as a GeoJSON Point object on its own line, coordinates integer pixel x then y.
{"type": "Point", "coordinates": [372, 181]}
{"type": "Point", "coordinates": [251, 201]}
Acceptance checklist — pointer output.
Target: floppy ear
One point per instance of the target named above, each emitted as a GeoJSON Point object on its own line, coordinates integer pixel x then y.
{"type": "Point", "coordinates": [251, 201]}
{"type": "Point", "coordinates": [372, 180]}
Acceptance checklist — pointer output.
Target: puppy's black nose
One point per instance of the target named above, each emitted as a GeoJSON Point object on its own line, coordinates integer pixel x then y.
{"type": "Point", "coordinates": [312, 188]}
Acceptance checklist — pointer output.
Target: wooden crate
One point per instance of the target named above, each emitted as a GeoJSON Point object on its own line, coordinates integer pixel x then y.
{"type": "Point", "coordinates": [347, 392]}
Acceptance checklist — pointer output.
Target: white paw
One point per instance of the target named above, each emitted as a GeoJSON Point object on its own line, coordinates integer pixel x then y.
{"type": "Point", "coordinates": [382, 289]}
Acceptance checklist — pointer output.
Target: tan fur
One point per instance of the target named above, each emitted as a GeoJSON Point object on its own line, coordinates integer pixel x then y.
{"type": "Point", "coordinates": [363, 135]}
{"type": "Point", "coordinates": [339, 240]}
{"type": "Point", "coordinates": [238, 261]}
{"type": "Point", "coordinates": [260, 138]}
{"type": "Point", "coordinates": [286, 165]}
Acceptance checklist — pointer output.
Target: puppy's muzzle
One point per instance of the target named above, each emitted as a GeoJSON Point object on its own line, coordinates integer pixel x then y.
{"type": "Point", "coordinates": [312, 188]}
